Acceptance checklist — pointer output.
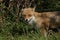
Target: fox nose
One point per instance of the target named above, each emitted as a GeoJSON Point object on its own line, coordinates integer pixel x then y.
{"type": "Point", "coordinates": [26, 20]}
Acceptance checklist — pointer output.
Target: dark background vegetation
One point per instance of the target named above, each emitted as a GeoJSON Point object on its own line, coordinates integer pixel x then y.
{"type": "Point", "coordinates": [11, 24]}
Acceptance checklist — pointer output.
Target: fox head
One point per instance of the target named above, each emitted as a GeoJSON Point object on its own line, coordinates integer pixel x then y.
{"type": "Point", "coordinates": [28, 15]}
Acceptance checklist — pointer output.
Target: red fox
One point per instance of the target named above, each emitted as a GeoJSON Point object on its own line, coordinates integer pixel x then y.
{"type": "Point", "coordinates": [39, 19]}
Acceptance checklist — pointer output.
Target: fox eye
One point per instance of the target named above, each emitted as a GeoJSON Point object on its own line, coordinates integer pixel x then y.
{"type": "Point", "coordinates": [29, 15]}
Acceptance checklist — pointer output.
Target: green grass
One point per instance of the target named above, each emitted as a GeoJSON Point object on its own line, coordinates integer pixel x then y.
{"type": "Point", "coordinates": [14, 27]}
{"type": "Point", "coordinates": [27, 37]}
